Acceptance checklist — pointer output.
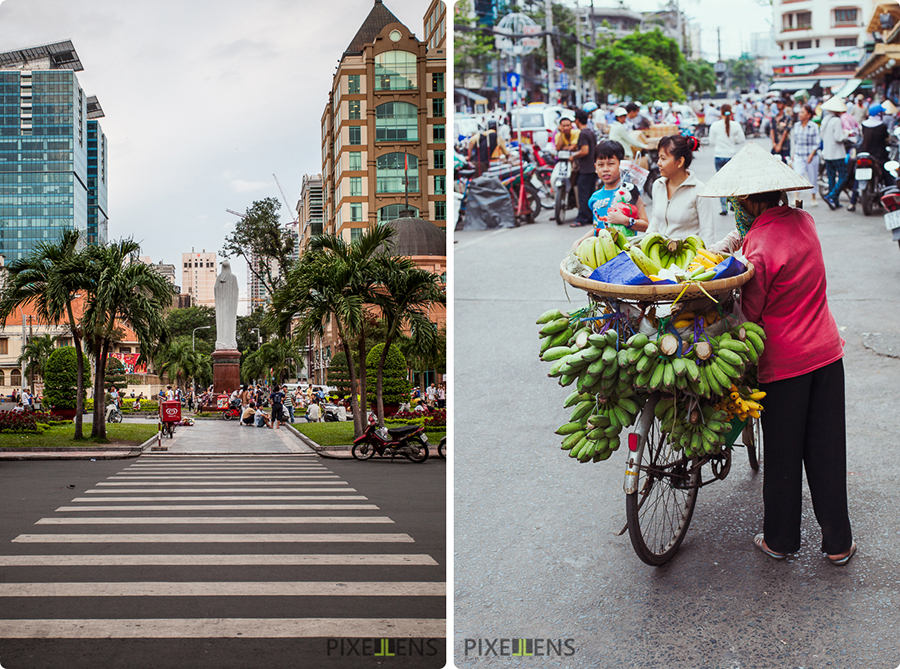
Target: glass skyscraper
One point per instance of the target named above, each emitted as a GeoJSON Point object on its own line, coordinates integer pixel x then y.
{"type": "Point", "coordinates": [53, 156]}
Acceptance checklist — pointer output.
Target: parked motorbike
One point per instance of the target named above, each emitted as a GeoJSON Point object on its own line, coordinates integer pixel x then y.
{"type": "Point", "coordinates": [873, 180]}
{"type": "Point", "coordinates": [233, 410]}
{"type": "Point", "coordinates": [891, 203]}
{"type": "Point", "coordinates": [113, 415]}
{"type": "Point", "coordinates": [409, 441]}
{"type": "Point", "coordinates": [441, 445]}
{"type": "Point", "coordinates": [562, 185]}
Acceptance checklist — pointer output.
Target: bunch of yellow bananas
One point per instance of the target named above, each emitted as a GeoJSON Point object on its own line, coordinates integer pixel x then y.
{"type": "Point", "coordinates": [687, 318]}
{"type": "Point", "coordinates": [741, 403]}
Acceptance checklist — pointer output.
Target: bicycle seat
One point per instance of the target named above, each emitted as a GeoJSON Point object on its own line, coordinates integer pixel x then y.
{"type": "Point", "coordinates": [402, 431]}
{"type": "Point", "coordinates": [466, 174]}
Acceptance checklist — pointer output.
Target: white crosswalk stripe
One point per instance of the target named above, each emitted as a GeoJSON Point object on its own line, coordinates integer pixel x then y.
{"type": "Point", "coordinates": [266, 496]}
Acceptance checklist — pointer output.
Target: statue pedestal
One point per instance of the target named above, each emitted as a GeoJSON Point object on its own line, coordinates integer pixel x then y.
{"type": "Point", "coordinates": [226, 371]}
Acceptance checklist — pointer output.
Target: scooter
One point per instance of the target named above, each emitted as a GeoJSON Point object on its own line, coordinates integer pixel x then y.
{"type": "Point", "coordinates": [562, 185]}
{"type": "Point", "coordinates": [113, 415]}
{"type": "Point", "coordinates": [233, 410]}
{"type": "Point", "coordinates": [409, 441]}
{"type": "Point", "coordinates": [891, 203]}
{"type": "Point", "coordinates": [441, 446]}
{"type": "Point", "coordinates": [873, 181]}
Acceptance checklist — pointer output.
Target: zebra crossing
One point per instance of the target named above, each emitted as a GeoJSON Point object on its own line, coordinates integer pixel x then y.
{"type": "Point", "coordinates": [303, 541]}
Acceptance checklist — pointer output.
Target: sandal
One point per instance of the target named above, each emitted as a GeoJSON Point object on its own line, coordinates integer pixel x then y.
{"type": "Point", "coordinates": [844, 560]}
{"type": "Point", "coordinates": [578, 225]}
{"type": "Point", "coordinates": [760, 543]}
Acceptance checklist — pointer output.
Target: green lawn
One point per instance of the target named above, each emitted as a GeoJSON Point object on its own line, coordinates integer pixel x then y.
{"type": "Point", "coordinates": [341, 434]}
{"type": "Point", "coordinates": [60, 436]}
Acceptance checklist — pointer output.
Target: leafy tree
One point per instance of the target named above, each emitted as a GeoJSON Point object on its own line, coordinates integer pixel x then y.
{"type": "Point", "coordinates": [246, 335]}
{"type": "Point", "coordinates": [743, 71]}
{"type": "Point", "coordinates": [115, 374]}
{"type": "Point", "coordinates": [625, 74]}
{"type": "Point", "coordinates": [421, 358]}
{"type": "Point", "coordinates": [180, 362]}
{"type": "Point", "coordinates": [181, 323]}
{"type": "Point", "coordinates": [656, 46]}
{"type": "Point", "coordinates": [405, 294]}
{"type": "Point", "coordinates": [697, 76]}
{"type": "Point", "coordinates": [259, 236]}
{"type": "Point", "coordinates": [61, 379]}
{"type": "Point", "coordinates": [118, 290]}
{"type": "Point", "coordinates": [281, 355]}
{"type": "Point", "coordinates": [472, 49]}
{"type": "Point", "coordinates": [395, 386]}
{"type": "Point", "coordinates": [339, 373]}
{"type": "Point", "coordinates": [39, 278]}
{"type": "Point", "coordinates": [34, 355]}
{"type": "Point", "coordinates": [254, 367]}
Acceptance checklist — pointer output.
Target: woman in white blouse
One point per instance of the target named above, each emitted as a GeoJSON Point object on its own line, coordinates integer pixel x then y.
{"type": "Point", "coordinates": [677, 211]}
{"type": "Point", "coordinates": [726, 137]}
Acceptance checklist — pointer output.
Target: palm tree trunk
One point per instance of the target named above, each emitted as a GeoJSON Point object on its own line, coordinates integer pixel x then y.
{"type": "Point", "coordinates": [363, 381]}
{"type": "Point", "coordinates": [79, 386]}
{"type": "Point", "coordinates": [379, 383]}
{"type": "Point", "coordinates": [354, 403]}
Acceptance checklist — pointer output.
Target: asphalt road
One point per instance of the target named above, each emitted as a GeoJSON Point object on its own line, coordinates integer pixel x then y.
{"type": "Point", "coordinates": [536, 551]}
{"type": "Point", "coordinates": [320, 560]}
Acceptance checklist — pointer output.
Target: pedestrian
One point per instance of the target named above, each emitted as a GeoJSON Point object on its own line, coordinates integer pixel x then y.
{"type": "Point", "coordinates": [834, 153]}
{"type": "Point", "coordinates": [801, 371]}
{"type": "Point", "coordinates": [276, 397]}
{"type": "Point", "coordinates": [288, 402]}
{"type": "Point", "coordinates": [726, 138]}
{"type": "Point", "coordinates": [583, 160]}
{"type": "Point", "coordinates": [441, 396]}
{"type": "Point", "coordinates": [621, 133]}
{"type": "Point", "coordinates": [805, 148]}
{"type": "Point", "coordinates": [431, 394]}
{"type": "Point", "coordinates": [780, 130]}
{"type": "Point", "coordinates": [677, 211]}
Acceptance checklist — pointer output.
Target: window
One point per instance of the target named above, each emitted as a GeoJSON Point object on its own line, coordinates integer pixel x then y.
{"type": "Point", "coordinates": [15, 378]}
{"type": "Point", "coordinates": [353, 84]}
{"type": "Point", "coordinates": [845, 16]}
{"type": "Point", "coordinates": [392, 212]}
{"type": "Point", "coordinates": [438, 133]}
{"type": "Point", "coordinates": [356, 233]}
{"type": "Point", "coordinates": [440, 210]}
{"type": "Point", "coordinates": [437, 107]}
{"type": "Point", "coordinates": [439, 160]}
{"type": "Point", "coordinates": [440, 184]}
{"type": "Point", "coordinates": [845, 41]}
{"type": "Point", "coordinates": [355, 186]}
{"type": "Point", "coordinates": [355, 107]}
{"type": "Point", "coordinates": [355, 161]}
{"type": "Point", "coordinates": [804, 44]}
{"type": "Point", "coordinates": [356, 211]}
{"type": "Point", "coordinates": [390, 170]}
{"type": "Point", "coordinates": [4, 348]}
{"type": "Point", "coordinates": [804, 19]}
{"type": "Point", "coordinates": [396, 121]}
{"type": "Point", "coordinates": [786, 21]}
{"type": "Point", "coordinates": [2, 378]}
{"type": "Point", "coordinates": [395, 71]}
{"type": "Point", "coordinates": [437, 82]}
{"type": "Point", "coordinates": [355, 135]}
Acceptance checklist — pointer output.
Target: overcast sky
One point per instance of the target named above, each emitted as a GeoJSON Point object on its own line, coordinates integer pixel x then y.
{"type": "Point", "coordinates": [204, 99]}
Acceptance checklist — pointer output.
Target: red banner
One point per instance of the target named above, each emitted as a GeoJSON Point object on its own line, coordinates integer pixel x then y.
{"type": "Point", "coordinates": [130, 360]}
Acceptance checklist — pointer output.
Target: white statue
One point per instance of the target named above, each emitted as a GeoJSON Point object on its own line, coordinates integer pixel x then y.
{"type": "Point", "coordinates": [226, 292]}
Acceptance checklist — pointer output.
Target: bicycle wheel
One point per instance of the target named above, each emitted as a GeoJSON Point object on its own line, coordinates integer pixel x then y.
{"type": "Point", "coordinates": [533, 199]}
{"type": "Point", "coordinates": [559, 211]}
{"type": "Point", "coordinates": [752, 437]}
{"type": "Point", "coordinates": [660, 510]}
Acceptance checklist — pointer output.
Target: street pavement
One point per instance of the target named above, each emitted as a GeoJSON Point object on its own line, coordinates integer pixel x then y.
{"type": "Point", "coordinates": [234, 559]}
{"type": "Point", "coordinates": [537, 554]}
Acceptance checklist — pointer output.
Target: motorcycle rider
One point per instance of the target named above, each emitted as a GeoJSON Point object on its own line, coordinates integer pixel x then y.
{"type": "Point", "coordinates": [567, 137]}
{"type": "Point", "coordinates": [619, 132]}
{"type": "Point", "coordinates": [486, 145]}
{"type": "Point", "coordinates": [875, 139]}
{"type": "Point", "coordinates": [780, 132]}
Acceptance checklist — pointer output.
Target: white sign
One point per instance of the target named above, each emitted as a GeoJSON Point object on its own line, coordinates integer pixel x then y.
{"type": "Point", "coordinates": [531, 30]}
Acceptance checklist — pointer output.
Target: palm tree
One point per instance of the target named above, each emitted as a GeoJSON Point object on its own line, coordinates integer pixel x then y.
{"type": "Point", "coordinates": [38, 278]}
{"type": "Point", "coordinates": [34, 355]}
{"type": "Point", "coordinates": [333, 281]}
{"type": "Point", "coordinates": [405, 294]}
{"type": "Point", "coordinates": [280, 355]}
{"type": "Point", "coordinates": [180, 361]}
{"type": "Point", "coordinates": [119, 290]}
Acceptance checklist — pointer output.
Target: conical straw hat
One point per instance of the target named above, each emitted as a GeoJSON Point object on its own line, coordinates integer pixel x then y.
{"type": "Point", "coordinates": [753, 170]}
{"type": "Point", "coordinates": [835, 104]}
{"type": "Point", "coordinates": [889, 107]}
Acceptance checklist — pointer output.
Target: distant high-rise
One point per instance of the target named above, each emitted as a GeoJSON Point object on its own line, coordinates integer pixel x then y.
{"type": "Point", "coordinates": [53, 153]}
{"type": "Point", "coordinates": [311, 211]}
{"type": "Point", "coordinates": [198, 277]}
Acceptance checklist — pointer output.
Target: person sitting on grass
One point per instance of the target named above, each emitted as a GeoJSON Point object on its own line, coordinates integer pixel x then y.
{"type": "Point", "coordinates": [262, 419]}
{"type": "Point", "coordinates": [19, 408]}
{"type": "Point", "coordinates": [248, 415]}
{"type": "Point", "coordinates": [313, 413]}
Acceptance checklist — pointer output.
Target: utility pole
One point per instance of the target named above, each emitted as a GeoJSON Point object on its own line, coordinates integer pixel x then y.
{"type": "Point", "coordinates": [551, 60]}
{"type": "Point", "coordinates": [578, 85]}
{"type": "Point", "coordinates": [719, 38]}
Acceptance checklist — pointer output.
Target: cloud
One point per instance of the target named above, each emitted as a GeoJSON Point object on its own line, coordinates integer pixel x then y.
{"type": "Point", "coordinates": [241, 186]}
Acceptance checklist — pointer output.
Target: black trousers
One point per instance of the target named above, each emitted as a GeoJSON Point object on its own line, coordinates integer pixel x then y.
{"type": "Point", "coordinates": [804, 426]}
{"type": "Point", "coordinates": [586, 184]}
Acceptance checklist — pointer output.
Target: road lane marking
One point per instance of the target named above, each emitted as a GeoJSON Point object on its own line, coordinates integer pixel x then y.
{"type": "Point", "coordinates": [225, 589]}
{"type": "Point", "coordinates": [225, 628]}
{"type": "Point", "coordinates": [144, 491]}
{"type": "Point", "coordinates": [212, 520]}
{"type": "Point", "coordinates": [298, 477]}
{"type": "Point", "coordinates": [218, 560]}
{"type": "Point", "coordinates": [212, 483]}
{"type": "Point", "coordinates": [220, 498]}
{"type": "Point", "coordinates": [221, 507]}
{"type": "Point", "coordinates": [210, 538]}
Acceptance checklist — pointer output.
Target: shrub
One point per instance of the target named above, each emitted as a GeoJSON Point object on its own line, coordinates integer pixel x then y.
{"type": "Point", "coordinates": [11, 421]}
{"type": "Point", "coordinates": [339, 372]}
{"type": "Point", "coordinates": [430, 419]}
{"type": "Point", "coordinates": [395, 386]}
{"type": "Point", "coordinates": [115, 374]}
{"type": "Point", "coordinates": [61, 378]}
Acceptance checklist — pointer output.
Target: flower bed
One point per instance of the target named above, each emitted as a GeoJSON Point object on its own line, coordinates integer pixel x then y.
{"type": "Point", "coordinates": [428, 418]}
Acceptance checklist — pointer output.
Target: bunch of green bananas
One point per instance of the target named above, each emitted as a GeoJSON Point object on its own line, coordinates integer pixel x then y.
{"type": "Point", "coordinates": [595, 251]}
{"type": "Point", "coordinates": [724, 360]}
{"type": "Point", "coordinates": [700, 431]}
{"type": "Point", "coordinates": [656, 252]}
{"type": "Point", "coordinates": [592, 433]}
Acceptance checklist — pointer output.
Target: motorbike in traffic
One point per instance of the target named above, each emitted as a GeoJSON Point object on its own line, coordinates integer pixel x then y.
{"type": "Point", "coordinates": [410, 441]}
{"type": "Point", "coordinates": [873, 180]}
{"type": "Point", "coordinates": [561, 178]}
{"type": "Point", "coordinates": [891, 203]}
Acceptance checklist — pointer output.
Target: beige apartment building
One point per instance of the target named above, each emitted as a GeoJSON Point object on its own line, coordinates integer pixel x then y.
{"type": "Point", "coordinates": [385, 119]}
{"type": "Point", "coordinates": [198, 277]}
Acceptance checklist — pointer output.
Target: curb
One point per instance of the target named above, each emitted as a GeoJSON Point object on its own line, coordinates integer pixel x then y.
{"type": "Point", "coordinates": [80, 454]}
{"type": "Point", "coordinates": [321, 451]}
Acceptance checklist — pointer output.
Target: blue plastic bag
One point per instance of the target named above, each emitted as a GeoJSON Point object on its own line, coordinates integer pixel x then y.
{"type": "Point", "coordinates": [731, 266]}
{"type": "Point", "coordinates": [621, 270]}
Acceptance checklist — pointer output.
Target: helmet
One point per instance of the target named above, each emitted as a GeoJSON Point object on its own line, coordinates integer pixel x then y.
{"type": "Point", "coordinates": [875, 110]}
{"type": "Point", "coordinates": [492, 124]}
{"type": "Point", "coordinates": [590, 107]}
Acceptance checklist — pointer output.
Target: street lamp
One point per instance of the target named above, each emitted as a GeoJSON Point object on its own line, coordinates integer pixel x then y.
{"type": "Point", "coordinates": [193, 344]}
{"type": "Point", "coordinates": [258, 344]}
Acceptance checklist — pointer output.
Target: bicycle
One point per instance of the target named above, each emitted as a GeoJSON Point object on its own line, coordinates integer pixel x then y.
{"type": "Point", "coordinates": [168, 430]}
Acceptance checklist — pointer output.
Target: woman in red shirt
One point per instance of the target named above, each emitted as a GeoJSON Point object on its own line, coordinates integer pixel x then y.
{"type": "Point", "coordinates": [801, 369]}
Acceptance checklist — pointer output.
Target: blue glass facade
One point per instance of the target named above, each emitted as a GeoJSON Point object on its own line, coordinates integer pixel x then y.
{"type": "Point", "coordinates": [43, 159]}
{"type": "Point", "coordinates": [97, 220]}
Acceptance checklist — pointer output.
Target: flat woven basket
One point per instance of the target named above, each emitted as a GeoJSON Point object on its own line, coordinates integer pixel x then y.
{"type": "Point", "coordinates": [661, 293]}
